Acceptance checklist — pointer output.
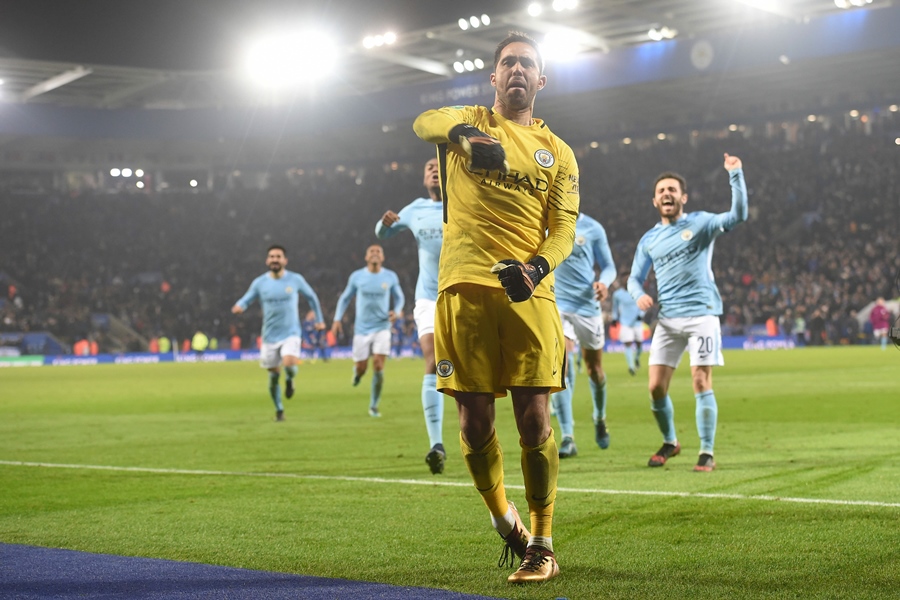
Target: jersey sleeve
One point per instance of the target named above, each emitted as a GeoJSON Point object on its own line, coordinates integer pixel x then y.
{"type": "Point", "coordinates": [639, 269]}
{"type": "Point", "coordinates": [738, 213]}
{"type": "Point", "coordinates": [248, 298]}
{"type": "Point", "coordinates": [603, 256]}
{"type": "Point", "coordinates": [307, 292]}
{"type": "Point", "coordinates": [397, 294]}
{"type": "Point", "coordinates": [434, 125]}
{"type": "Point", "coordinates": [383, 233]}
{"type": "Point", "coordinates": [344, 300]}
{"type": "Point", "coordinates": [562, 210]}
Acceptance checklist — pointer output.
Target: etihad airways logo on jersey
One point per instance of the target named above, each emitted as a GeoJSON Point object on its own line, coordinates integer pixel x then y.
{"type": "Point", "coordinates": [516, 182]}
{"type": "Point", "coordinates": [681, 255]}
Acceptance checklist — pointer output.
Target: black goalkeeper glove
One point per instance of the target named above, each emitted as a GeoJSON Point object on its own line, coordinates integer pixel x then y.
{"type": "Point", "coordinates": [520, 279]}
{"type": "Point", "coordinates": [485, 153]}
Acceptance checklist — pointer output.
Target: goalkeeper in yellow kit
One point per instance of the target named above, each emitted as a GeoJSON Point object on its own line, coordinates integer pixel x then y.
{"type": "Point", "coordinates": [510, 204]}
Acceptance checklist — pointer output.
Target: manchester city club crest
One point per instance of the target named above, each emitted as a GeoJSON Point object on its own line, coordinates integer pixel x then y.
{"type": "Point", "coordinates": [579, 241]}
{"type": "Point", "coordinates": [544, 158]}
{"type": "Point", "coordinates": [445, 368]}
{"type": "Point", "coordinates": [288, 290]}
{"type": "Point", "coordinates": [687, 234]}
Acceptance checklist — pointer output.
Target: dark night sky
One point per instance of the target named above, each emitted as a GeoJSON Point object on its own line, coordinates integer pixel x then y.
{"type": "Point", "coordinates": [199, 34]}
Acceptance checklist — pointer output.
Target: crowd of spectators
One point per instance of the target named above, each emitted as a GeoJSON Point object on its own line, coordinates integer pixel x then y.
{"type": "Point", "coordinates": [820, 245]}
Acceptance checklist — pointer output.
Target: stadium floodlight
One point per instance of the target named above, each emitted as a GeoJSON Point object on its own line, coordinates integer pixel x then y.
{"type": "Point", "coordinates": [893, 108]}
{"type": "Point", "coordinates": [595, 145]}
{"type": "Point", "coordinates": [140, 185]}
{"type": "Point", "coordinates": [458, 67]}
{"type": "Point", "coordinates": [660, 136]}
{"type": "Point", "coordinates": [854, 113]}
{"type": "Point", "coordinates": [559, 46]}
{"type": "Point", "coordinates": [626, 141]}
{"type": "Point", "coordinates": [469, 65]}
{"type": "Point", "coordinates": [897, 141]}
{"type": "Point", "coordinates": [463, 24]}
{"type": "Point", "coordinates": [126, 172]}
{"type": "Point", "coordinates": [193, 183]}
{"type": "Point", "coordinates": [479, 64]}
{"type": "Point", "coordinates": [535, 9]}
{"type": "Point", "coordinates": [475, 21]}
{"type": "Point", "coordinates": [485, 20]}
{"type": "Point", "coordinates": [390, 37]}
{"type": "Point", "coordinates": [138, 172]}
{"type": "Point", "coordinates": [276, 61]}
{"type": "Point", "coordinates": [811, 118]}
{"type": "Point", "coordinates": [114, 172]}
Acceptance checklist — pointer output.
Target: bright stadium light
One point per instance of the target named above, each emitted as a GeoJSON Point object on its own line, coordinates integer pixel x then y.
{"type": "Point", "coordinates": [2, 82]}
{"type": "Point", "coordinates": [126, 172]}
{"type": "Point", "coordinates": [193, 183]}
{"type": "Point", "coordinates": [479, 64]}
{"type": "Point", "coordinates": [535, 9]}
{"type": "Point", "coordinates": [458, 67]}
{"type": "Point", "coordinates": [475, 21]}
{"type": "Point", "coordinates": [469, 65]}
{"type": "Point", "coordinates": [278, 61]}
{"type": "Point", "coordinates": [114, 172]}
{"type": "Point", "coordinates": [485, 20]}
{"type": "Point", "coordinates": [660, 136]}
{"type": "Point", "coordinates": [138, 172]}
{"type": "Point", "coordinates": [559, 46]}
{"type": "Point", "coordinates": [463, 24]}
{"type": "Point", "coordinates": [897, 141]}
{"type": "Point", "coordinates": [893, 108]}
{"type": "Point", "coordinates": [854, 113]}
{"type": "Point", "coordinates": [626, 141]}
{"type": "Point", "coordinates": [140, 185]}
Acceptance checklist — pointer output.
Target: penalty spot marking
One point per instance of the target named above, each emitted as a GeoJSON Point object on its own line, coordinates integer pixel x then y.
{"type": "Point", "coordinates": [764, 498]}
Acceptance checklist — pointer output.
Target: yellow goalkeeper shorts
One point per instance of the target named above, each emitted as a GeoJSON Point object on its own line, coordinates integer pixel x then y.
{"type": "Point", "coordinates": [485, 343]}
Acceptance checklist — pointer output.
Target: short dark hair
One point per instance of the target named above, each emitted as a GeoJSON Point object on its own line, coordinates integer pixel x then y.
{"type": "Point", "coordinates": [671, 175]}
{"type": "Point", "coordinates": [519, 36]}
{"type": "Point", "coordinates": [276, 247]}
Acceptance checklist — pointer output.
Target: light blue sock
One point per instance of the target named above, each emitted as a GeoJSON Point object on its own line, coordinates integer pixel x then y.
{"type": "Point", "coordinates": [562, 401]}
{"type": "Point", "coordinates": [598, 394]}
{"type": "Point", "coordinates": [433, 406]}
{"type": "Point", "coordinates": [664, 413]}
{"type": "Point", "coordinates": [884, 340]}
{"type": "Point", "coordinates": [629, 356]}
{"type": "Point", "coordinates": [377, 381]}
{"type": "Point", "coordinates": [275, 391]}
{"type": "Point", "coordinates": [290, 372]}
{"type": "Point", "coordinates": [562, 404]}
{"type": "Point", "coordinates": [707, 415]}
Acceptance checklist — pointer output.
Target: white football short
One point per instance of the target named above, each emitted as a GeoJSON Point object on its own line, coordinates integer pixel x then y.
{"type": "Point", "coordinates": [587, 331]}
{"type": "Point", "coordinates": [635, 333]}
{"type": "Point", "coordinates": [270, 354]}
{"type": "Point", "coordinates": [365, 345]}
{"type": "Point", "coordinates": [701, 336]}
{"type": "Point", "coordinates": [423, 313]}
{"type": "Point", "coordinates": [880, 332]}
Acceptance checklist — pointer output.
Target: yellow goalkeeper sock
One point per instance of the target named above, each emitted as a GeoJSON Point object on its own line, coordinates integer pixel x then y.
{"type": "Point", "coordinates": [486, 468]}
{"type": "Point", "coordinates": [540, 467]}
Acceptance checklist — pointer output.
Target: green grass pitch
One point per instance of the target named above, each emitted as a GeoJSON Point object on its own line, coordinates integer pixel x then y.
{"type": "Point", "coordinates": [805, 502]}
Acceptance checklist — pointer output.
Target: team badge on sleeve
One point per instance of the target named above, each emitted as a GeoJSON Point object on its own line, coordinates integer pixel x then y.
{"type": "Point", "coordinates": [544, 158]}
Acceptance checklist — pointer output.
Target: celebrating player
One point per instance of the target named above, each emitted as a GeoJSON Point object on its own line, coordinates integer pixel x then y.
{"type": "Point", "coordinates": [680, 249]}
{"type": "Point", "coordinates": [278, 292]}
{"type": "Point", "coordinates": [374, 287]}
{"type": "Point", "coordinates": [424, 218]}
{"type": "Point", "coordinates": [510, 202]}
{"type": "Point", "coordinates": [578, 293]}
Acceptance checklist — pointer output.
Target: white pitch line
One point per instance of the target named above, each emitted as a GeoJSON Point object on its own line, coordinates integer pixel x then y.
{"type": "Point", "coordinates": [766, 498]}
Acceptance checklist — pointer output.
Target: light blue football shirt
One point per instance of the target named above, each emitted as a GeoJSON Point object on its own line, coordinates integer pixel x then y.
{"type": "Point", "coordinates": [279, 300]}
{"type": "Point", "coordinates": [681, 255]}
{"type": "Point", "coordinates": [575, 276]}
{"type": "Point", "coordinates": [425, 219]}
{"type": "Point", "coordinates": [624, 308]}
{"type": "Point", "coordinates": [373, 293]}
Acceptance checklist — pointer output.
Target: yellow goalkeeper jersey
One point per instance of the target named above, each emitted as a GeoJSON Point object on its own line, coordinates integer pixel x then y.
{"type": "Point", "coordinates": [489, 216]}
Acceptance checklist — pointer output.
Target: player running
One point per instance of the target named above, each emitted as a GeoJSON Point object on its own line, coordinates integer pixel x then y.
{"type": "Point", "coordinates": [424, 218]}
{"type": "Point", "coordinates": [680, 249]}
{"type": "Point", "coordinates": [278, 292]}
{"type": "Point", "coordinates": [578, 294]}
{"type": "Point", "coordinates": [373, 287]}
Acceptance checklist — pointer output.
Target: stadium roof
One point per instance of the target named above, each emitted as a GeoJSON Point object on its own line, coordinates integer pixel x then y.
{"type": "Point", "coordinates": [846, 77]}
{"type": "Point", "coordinates": [428, 54]}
